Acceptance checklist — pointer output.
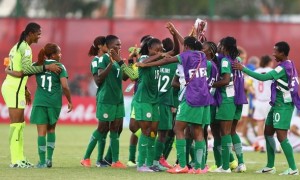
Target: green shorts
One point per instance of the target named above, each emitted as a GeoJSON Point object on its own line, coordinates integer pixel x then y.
{"type": "Point", "coordinates": [229, 112]}
{"type": "Point", "coordinates": [13, 98]}
{"type": "Point", "coordinates": [132, 113]}
{"type": "Point", "coordinates": [280, 118]}
{"type": "Point", "coordinates": [166, 117]}
{"type": "Point", "coordinates": [110, 112]}
{"type": "Point", "coordinates": [44, 115]}
{"type": "Point", "coordinates": [195, 115]}
{"type": "Point", "coordinates": [146, 111]}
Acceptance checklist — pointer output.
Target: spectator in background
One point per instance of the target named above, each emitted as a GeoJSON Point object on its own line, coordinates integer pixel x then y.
{"type": "Point", "coordinates": [75, 86]}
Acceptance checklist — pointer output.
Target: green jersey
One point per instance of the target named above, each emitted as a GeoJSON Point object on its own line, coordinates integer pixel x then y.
{"type": "Point", "coordinates": [166, 74]}
{"type": "Point", "coordinates": [147, 91]}
{"type": "Point", "coordinates": [110, 91]}
{"type": "Point", "coordinates": [227, 92]}
{"type": "Point", "coordinates": [49, 90]}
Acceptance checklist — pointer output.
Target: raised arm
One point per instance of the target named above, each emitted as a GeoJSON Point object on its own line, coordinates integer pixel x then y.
{"type": "Point", "coordinates": [176, 48]}
{"type": "Point", "coordinates": [172, 28]}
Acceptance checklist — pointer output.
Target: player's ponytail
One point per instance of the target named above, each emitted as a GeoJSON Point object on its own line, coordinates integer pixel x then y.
{"type": "Point", "coordinates": [100, 40]}
{"type": "Point", "coordinates": [47, 52]}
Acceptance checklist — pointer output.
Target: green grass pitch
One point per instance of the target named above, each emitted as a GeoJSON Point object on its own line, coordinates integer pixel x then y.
{"type": "Point", "coordinates": [71, 142]}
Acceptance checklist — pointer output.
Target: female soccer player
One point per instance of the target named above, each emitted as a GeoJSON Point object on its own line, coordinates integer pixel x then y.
{"type": "Point", "coordinates": [231, 85]}
{"type": "Point", "coordinates": [14, 90]}
{"type": "Point", "coordinates": [98, 49]}
{"type": "Point", "coordinates": [48, 102]}
{"type": "Point", "coordinates": [284, 97]}
{"type": "Point", "coordinates": [110, 101]}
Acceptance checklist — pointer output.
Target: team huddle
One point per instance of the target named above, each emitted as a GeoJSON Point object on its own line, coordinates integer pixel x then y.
{"type": "Point", "coordinates": [178, 95]}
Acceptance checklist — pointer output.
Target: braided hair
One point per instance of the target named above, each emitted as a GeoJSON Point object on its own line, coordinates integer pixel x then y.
{"type": "Point", "coordinates": [229, 44]}
{"type": "Point", "coordinates": [31, 27]}
{"type": "Point", "coordinates": [213, 50]}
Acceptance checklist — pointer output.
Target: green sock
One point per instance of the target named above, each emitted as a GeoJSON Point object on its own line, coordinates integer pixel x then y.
{"type": "Point", "coordinates": [108, 156]}
{"type": "Point", "coordinates": [138, 133]}
{"type": "Point", "coordinates": [199, 152]}
{"type": "Point", "coordinates": [50, 145]}
{"type": "Point", "coordinates": [226, 148]}
{"type": "Point", "coordinates": [101, 145]}
{"type": "Point", "coordinates": [159, 147]}
{"type": "Point", "coordinates": [132, 151]}
{"type": "Point", "coordinates": [114, 144]}
{"type": "Point", "coordinates": [14, 132]}
{"type": "Point", "coordinates": [142, 150]}
{"type": "Point", "coordinates": [42, 148]}
{"type": "Point", "coordinates": [168, 146]}
{"type": "Point", "coordinates": [271, 149]}
{"type": "Point", "coordinates": [288, 152]}
{"type": "Point", "coordinates": [93, 141]}
{"type": "Point", "coordinates": [238, 148]}
{"type": "Point", "coordinates": [217, 152]}
{"type": "Point", "coordinates": [150, 151]}
{"type": "Point", "coordinates": [181, 155]}
{"type": "Point", "coordinates": [188, 149]}
{"type": "Point", "coordinates": [21, 142]}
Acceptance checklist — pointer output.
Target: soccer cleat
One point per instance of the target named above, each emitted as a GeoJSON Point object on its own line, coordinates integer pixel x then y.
{"type": "Point", "coordinates": [221, 170]}
{"type": "Point", "coordinates": [196, 171]}
{"type": "Point", "coordinates": [233, 164]}
{"type": "Point", "coordinates": [40, 165]}
{"type": "Point", "coordinates": [144, 168]}
{"type": "Point", "coordinates": [163, 162]}
{"type": "Point", "coordinates": [118, 164]}
{"type": "Point", "coordinates": [177, 169]}
{"type": "Point", "coordinates": [267, 170]}
{"type": "Point", "coordinates": [158, 168]}
{"type": "Point", "coordinates": [205, 170]}
{"type": "Point", "coordinates": [86, 162]}
{"type": "Point", "coordinates": [212, 168]}
{"type": "Point", "coordinates": [289, 171]}
{"type": "Point", "coordinates": [27, 163]}
{"type": "Point", "coordinates": [108, 162]}
{"type": "Point", "coordinates": [49, 163]}
{"type": "Point", "coordinates": [18, 165]}
{"type": "Point", "coordinates": [101, 164]}
{"type": "Point", "coordinates": [131, 164]}
{"type": "Point", "coordinates": [241, 168]}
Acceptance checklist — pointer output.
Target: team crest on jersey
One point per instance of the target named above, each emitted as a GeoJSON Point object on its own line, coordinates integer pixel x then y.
{"type": "Point", "coordinates": [148, 115]}
{"type": "Point", "coordinates": [105, 115]}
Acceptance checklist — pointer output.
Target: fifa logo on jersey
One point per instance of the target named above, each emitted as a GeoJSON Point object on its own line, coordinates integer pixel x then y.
{"type": "Point", "coordinates": [200, 73]}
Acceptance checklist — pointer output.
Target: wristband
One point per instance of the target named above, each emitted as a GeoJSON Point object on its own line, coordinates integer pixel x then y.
{"type": "Point", "coordinates": [121, 62]}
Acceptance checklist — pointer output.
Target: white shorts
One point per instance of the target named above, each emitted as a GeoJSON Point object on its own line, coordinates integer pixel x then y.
{"type": "Point", "coordinates": [261, 110]}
